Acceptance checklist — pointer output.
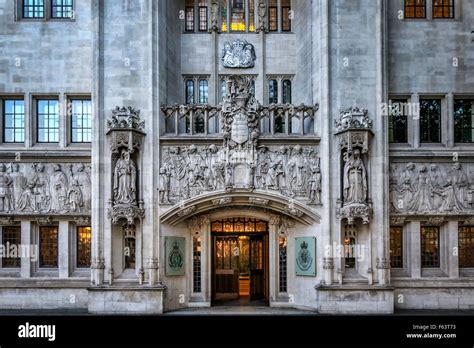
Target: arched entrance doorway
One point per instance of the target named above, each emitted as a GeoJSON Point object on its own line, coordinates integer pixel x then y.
{"type": "Point", "coordinates": [240, 261]}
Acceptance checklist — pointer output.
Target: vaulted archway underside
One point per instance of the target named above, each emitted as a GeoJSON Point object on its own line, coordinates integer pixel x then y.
{"type": "Point", "coordinates": [272, 203]}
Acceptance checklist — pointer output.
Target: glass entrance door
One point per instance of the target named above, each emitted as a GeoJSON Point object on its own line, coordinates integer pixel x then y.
{"type": "Point", "coordinates": [239, 261]}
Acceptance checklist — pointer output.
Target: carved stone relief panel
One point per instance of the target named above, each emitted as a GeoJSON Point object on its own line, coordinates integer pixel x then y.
{"type": "Point", "coordinates": [189, 171]}
{"type": "Point", "coordinates": [45, 188]}
{"type": "Point", "coordinates": [238, 54]}
{"type": "Point", "coordinates": [432, 188]}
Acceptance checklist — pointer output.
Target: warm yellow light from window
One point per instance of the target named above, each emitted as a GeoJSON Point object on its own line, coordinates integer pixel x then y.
{"type": "Point", "coordinates": [224, 27]}
{"type": "Point", "coordinates": [252, 27]}
{"type": "Point", "coordinates": [238, 26]}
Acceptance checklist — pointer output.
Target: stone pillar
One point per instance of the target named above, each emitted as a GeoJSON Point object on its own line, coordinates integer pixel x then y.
{"type": "Point", "coordinates": [415, 121]}
{"type": "Point", "coordinates": [274, 224]}
{"type": "Point", "coordinates": [452, 231]}
{"type": "Point", "coordinates": [415, 248]}
{"type": "Point", "coordinates": [449, 121]}
{"type": "Point", "coordinates": [26, 239]}
{"type": "Point", "coordinates": [64, 260]}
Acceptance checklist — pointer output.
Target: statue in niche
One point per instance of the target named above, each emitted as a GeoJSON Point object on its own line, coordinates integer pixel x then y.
{"type": "Point", "coordinates": [315, 185]}
{"type": "Point", "coordinates": [460, 182]}
{"type": "Point", "coordinates": [125, 177]}
{"type": "Point", "coordinates": [275, 173]}
{"type": "Point", "coordinates": [214, 17]}
{"type": "Point", "coordinates": [41, 190]}
{"type": "Point", "coordinates": [262, 167]}
{"type": "Point", "coordinates": [164, 187]}
{"type": "Point", "coordinates": [5, 190]}
{"type": "Point", "coordinates": [19, 182]}
{"type": "Point", "coordinates": [262, 15]}
{"type": "Point", "coordinates": [297, 170]}
{"type": "Point", "coordinates": [75, 197]}
{"type": "Point", "coordinates": [84, 181]}
{"type": "Point", "coordinates": [355, 180]}
{"type": "Point", "coordinates": [59, 185]}
{"type": "Point", "coordinates": [422, 197]}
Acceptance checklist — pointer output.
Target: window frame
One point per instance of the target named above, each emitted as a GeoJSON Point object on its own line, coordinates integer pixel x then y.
{"type": "Point", "coordinates": [83, 99]}
{"type": "Point", "coordinates": [15, 263]}
{"type": "Point", "coordinates": [72, 9]}
{"type": "Point", "coordinates": [186, 22]}
{"type": "Point", "coordinates": [415, 6]}
{"type": "Point", "coordinates": [37, 115]}
{"type": "Point", "coordinates": [463, 121]}
{"type": "Point", "coordinates": [41, 265]}
{"type": "Point", "coordinates": [430, 122]}
{"type": "Point", "coordinates": [443, 7]}
{"type": "Point", "coordinates": [391, 121]}
{"type": "Point", "coordinates": [282, 19]}
{"type": "Point", "coordinates": [423, 258]}
{"type": "Point", "coordinates": [399, 229]}
{"type": "Point", "coordinates": [461, 249]}
{"type": "Point", "coordinates": [79, 250]}
{"type": "Point", "coordinates": [24, 6]}
{"type": "Point", "coordinates": [14, 128]}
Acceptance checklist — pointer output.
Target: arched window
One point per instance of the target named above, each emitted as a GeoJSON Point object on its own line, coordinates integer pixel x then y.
{"type": "Point", "coordinates": [189, 91]}
{"type": "Point", "coordinates": [295, 124]}
{"type": "Point", "coordinates": [273, 92]}
{"type": "Point", "coordinates": [129, 250]}
{"type": "Point", "coordinates": [286, 91]}
{"type": "Point", "coordinates": [203, 92]}
{"type": "Point", "coordinates": [308, 124]}
{"type": "Point", "coordinates": [265, 122]}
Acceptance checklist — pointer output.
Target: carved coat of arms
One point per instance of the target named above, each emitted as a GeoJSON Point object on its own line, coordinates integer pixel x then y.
{"type": "Point", "coordinates": [239, 54]}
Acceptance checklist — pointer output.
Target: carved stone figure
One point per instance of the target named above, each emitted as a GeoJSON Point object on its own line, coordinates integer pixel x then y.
{"type": "Point", "coordinates": [355, 179]}
{"type": "Point", "coordinates": [239, 54]}
{"type": "Point", "coordinates": [216, 168]}
{"type": "Point", "coordinates": [84, 180]}
{"type": "Point", "coordinates": [315, 185]}
{"type": "Point", "coordinates": [5, 190]}
{"type": "Point", "coordinates": [460, 182]}
{"type": "Point", "coordinates": [274, 176]}
{"type": "Point", "coordinates": [125, 177]}
{"type": "Point", "coordinates": [297, 171]}
{"type": "Point", "coordinates": [443, 189]}
{"type": "Point", "coordinates": [59, 186]}
{"type": "Point", "coordinates": [214, 17]}
{"type": "Point", "coordinates": [422, 197]}
{"type": "Point", "coordinates": [75, 197]}
{"type": "Point", "coordinates": [41, 189]}
{"type": "Point", "coordinates": [19, 182]}
{"type": "Point", "coordinates": [164, 188]}
{"type": "Point", "coordinates": [262, 167]}
{"type": "Point", "coordinates": [262, 16]}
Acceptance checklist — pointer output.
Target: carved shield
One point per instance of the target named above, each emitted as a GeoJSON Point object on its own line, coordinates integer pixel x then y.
{"type": "Point", "coordinates": [240, 129]}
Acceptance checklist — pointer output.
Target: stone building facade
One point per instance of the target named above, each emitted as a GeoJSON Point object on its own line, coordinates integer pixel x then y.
{"type": "Point", "coordinates": [158, 155]}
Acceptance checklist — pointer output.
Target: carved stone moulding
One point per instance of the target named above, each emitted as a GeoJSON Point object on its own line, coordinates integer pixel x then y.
{"type": "Point", "coordinates": [435, 221]}
{"type": "Point", "coordinates": [45, 221]}
{"type": "Point", "coordinates": [238, 55]}
{"type": "Point", "coordinates": [353, 118]}
{"type": "Point", "coordinates": [382, 263]}
{"type": "Point", "coordinates": [97, 263]}
{"type": "Point", "coordinates": [397, 220]}
{"type": "Point", "coordinates": [151, 263]}
{"type": "Point", "coordinates": [8, 221]}
{"type": "Point", "coordinates": [82, 220]}
{"type": "Point", "coordinates": [354, 211]}
{"type": "Point", "coordinates": [125, 130]}
{"type": "Point", "coordinates": [328, 263]}
{"type": "Point", "coordinates": [127, 212]}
